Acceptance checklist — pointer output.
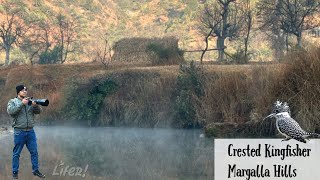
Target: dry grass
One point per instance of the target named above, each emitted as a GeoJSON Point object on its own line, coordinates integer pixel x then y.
{"type": "Point", "coordinates": [240, 94]}
{"type": "Point", "coordinates": [146, 92]}
{"type": "Point", "coordinates": [251, 93]}
{"type": "Point", "coordinates": [300, 86]}
{"type": "Point", "coordinates": [44, 81]}
{"type": "Point", "coordinates": [143, 99]}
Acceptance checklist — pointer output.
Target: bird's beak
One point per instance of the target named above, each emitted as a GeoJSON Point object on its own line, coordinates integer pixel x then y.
{"type": "Point", "coordinates": [270, 115]}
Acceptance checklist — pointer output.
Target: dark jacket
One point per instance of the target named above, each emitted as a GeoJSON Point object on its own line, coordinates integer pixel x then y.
{"type": "Point", "coordinates": [23, 115]}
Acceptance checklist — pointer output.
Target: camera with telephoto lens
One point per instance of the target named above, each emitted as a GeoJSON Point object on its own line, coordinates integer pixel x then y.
{"type": "Point", "coordinates": [42, 102]}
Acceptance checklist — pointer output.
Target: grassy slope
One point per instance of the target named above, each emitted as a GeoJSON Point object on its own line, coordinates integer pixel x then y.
{"type": "Point", "coordinates": [49, 81]}
{"type": "Point", "coordinates": [146, 96]}
{"type": "Point", "coordinates": [143, 90]}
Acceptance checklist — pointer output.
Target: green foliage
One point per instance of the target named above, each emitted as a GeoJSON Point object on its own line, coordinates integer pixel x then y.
{"type": "Point", "coordinates": [50, 56]}
{"type": "Point", "coordinates": [189, 79]}
{"type": "Point", "coordinates": [84, 101]}
{"type": "Point", "coordinates": [186, 113]}
{"type": "Point", "coordinates": [159, 50]}
{"type": "Point", "coordinates": [189, 88]}
{"type": "Point", "coordinates": [163, 53]}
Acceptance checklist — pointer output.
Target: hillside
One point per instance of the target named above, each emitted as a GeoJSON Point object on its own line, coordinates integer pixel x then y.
{"type": "Point", "coordinates": [118, 19]}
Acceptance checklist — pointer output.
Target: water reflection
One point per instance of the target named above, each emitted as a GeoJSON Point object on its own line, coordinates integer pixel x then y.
{"type": "Point", "coordinates": [116, 153]}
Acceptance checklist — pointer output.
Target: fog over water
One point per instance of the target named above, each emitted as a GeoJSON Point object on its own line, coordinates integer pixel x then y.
{"type": "Point", "coordinates": [116, 153]}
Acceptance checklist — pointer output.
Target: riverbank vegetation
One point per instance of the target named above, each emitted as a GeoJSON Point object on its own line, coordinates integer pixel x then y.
{"type": "Point", "coordinates": [225, 100]}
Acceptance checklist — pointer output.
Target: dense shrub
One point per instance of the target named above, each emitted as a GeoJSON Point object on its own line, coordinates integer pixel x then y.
{"type": "Point", "coordinates": [84, 101]}
{"type": "Point", "coordinates": [189, 90]}
{"type": "Point", "coordinates": [164, 54]}
{"type": "Point", "coordinates": [150, 51]}
{"type": "Point", "coordinates": [50, 56]}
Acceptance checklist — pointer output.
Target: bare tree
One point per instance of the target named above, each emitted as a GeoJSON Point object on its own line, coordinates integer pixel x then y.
{"type": "Point", "coordinates": [36, 41]}
{"type": "Point", "coordinates": [103, 53]}
{"type": "Point", "coordinates": [12, 29]}
{"type": "Point", "coordinates": [46, 34]}
{"type": "Point", "coordinates": [207, 27]}
{"type": "Point", "coordinates": [222, 20]}
{"type": "Point", "coordinates": [207, 45]}
{"type": "Point", "coordinates": [66, 36]}
{"type": "Point", "coordinates": [291, 16]}
{"type": "Point", "coordinates": [39, 40]}
{"type": "Point", "coordinates": [269, 23]}
{"type": "Point", "coordinates": [31, 46]}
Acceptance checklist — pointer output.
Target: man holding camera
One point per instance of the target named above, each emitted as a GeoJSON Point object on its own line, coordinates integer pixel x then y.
{"type": "Point", "coordinates": [22, 111]}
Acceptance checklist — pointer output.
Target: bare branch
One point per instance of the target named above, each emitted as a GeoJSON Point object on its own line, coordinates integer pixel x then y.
{"type": "Point", "coordinates": [223, 20]}
{"type": "Point", "coordinates": [291, 16]}
{"type": "Point", "coordinates": [12, 29]}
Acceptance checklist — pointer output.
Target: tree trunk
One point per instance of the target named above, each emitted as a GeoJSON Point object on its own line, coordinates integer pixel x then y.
{"type": "Point", "coordinates": [7, 61]}
{"type": "Point", "coordinates": [287, 42]}
{"type": "Point", "coordinates": [279, 45]}
{"type": "Point", "coordinates": [207, 45]}
{"type": "Point", "coordinates": [220, 46]}
{"type": "Point", "coordinates": [223, 34]}
{"type": "Point", "coordinates": [246, 39]}
{"type": "Point", "coordinates": [299, 40]}
{"type": "Point", "coordinates": [246, 44]}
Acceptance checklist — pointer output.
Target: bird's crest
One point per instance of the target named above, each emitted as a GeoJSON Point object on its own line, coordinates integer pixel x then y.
{"type": "Point", "coordinates": [280, 107]}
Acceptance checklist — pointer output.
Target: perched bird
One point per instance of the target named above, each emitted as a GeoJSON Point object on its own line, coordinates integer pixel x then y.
{"type": "Point", "coordinates": [287, 126]}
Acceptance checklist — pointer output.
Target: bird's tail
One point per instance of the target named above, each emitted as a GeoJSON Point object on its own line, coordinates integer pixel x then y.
{"type": "Point", "coordinates": [313, 135]}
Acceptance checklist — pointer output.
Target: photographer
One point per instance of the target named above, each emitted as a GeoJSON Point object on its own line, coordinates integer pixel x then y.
{"type": "Point", "coordinates": [23, 113]}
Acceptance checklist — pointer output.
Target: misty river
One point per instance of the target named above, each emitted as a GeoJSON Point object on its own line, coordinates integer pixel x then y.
{"type": "Point", "coordinates": [114, 153]}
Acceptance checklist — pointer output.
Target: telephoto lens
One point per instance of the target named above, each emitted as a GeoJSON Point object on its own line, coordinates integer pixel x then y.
{"type": "Point", "coordinates": [42, 102]}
